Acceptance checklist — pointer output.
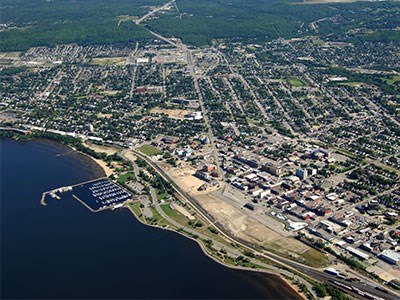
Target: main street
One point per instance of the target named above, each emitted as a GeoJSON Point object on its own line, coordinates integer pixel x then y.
{"type": "Point", "coordinates": [368, 286]}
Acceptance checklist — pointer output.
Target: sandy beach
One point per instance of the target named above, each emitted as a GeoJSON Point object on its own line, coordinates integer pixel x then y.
{"type": "Point", "coordinates": [108, 150]}
{"type": "Point", "coordinates": [107, 170]}
{"type": "Point", "coordinates": [294, 287]}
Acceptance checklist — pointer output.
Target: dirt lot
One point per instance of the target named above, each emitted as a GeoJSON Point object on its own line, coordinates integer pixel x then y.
{"type": "Point", "coordinates": [172, 113]}
{"type": "Point", "coordinates": [7, 117]}
{"type": "Point", "coordinates": [246, 228]}
{"type": "Point", "coordinates": [384, 271]}
{"type": "Point", "coordinates": [104, 116]}
{"type": "Point", "coordinates": [129, 155]}
{"type": "Point", "coordinates": [184, 178]}
{"type": "Point", "coordinates": [119, 61]}
{"type": "Point", "coordinates": [98, 148]}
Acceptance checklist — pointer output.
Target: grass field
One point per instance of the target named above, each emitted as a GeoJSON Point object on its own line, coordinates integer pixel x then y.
{"type": "Point", "coordinates": [125, 18]}
{"type": "Point", "coordinates": [168, 210]}
{"type": "Point", "coordinates": [126, 177]}
{"type": "Point", "coordinates": [107, 61]}
{"type": "Point", "coordinates": [315, 258]}
{"type": "Point", "coordinates": [319, 42]}
{"type": "Point", "coordinates": [136, 209]}
{"type": "Point", "coordinates": [393, 80]}
{"type": "Point", "coordinates": [161, 196]}
{"type": "Point", "coordinates": [295, 82]}
{"type": "Point", "coordinates": [158, 219]}
{"type": "Point", "coordinates": [351, 83]}
{"type": "Point", "coordinates": [149, 150]}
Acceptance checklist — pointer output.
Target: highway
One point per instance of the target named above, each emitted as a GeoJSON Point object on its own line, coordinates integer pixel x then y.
{"type": "Point", "coordinates": [368, 287]}
{"type": "Point", "coordinates": [157, 9]}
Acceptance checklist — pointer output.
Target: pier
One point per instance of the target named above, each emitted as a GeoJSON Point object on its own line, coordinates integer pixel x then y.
{"type": "Point", "coordinates": [96, 195]}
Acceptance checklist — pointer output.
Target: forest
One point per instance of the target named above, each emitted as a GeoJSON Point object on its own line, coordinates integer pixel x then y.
{"type": "Point", "coordinates": [28, 23]}
{"type": "Point", "coordinates": [200, 22]}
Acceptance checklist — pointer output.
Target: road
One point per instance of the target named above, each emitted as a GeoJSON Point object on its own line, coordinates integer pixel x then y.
{"type": "Point", "coordinates": [233, 252]}
{"type": "Point", "coordinates": [190, 66]}
{"type": "Point", "coordinates": [157, 9]}
{"type": "Point", "coordinates": [314, 273]}
{"type": "Point", "coordinates": [367, 286]}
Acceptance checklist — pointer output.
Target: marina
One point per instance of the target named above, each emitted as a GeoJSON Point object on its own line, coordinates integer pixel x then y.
{"type": "Point", "coordinates": [96, 195]}
{"type": "Point", "coordinates": [63, 251]}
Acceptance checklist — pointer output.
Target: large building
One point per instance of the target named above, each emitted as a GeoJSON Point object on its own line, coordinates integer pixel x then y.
{"type": "Point", "coordinates": [302, 173]}
{"type": "Point", "coordinates": [272, 169]}
{"type": "Point", "coordinates": [390, 256]}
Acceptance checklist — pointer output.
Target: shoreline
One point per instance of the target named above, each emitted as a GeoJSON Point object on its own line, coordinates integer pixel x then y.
{"type": "Point", "coordinates": [102, 164]}
{"type": "Point", "coordinates": [108, 171]}
{"type": "Point", "coordinates": [292, 286]}
{"type": "Point", "coordinates": [289, 283]}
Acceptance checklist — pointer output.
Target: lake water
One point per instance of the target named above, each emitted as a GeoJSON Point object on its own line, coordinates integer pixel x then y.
{"type": "Point", "coordinates": [63, 251]}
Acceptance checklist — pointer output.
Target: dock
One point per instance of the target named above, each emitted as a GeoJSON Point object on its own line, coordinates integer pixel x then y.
{"type": "Point", "coordinates": [96, 195]}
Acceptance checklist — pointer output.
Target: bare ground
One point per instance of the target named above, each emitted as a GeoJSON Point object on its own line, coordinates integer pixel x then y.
{"type": "Point", "coordinates": [99, 148]}
{"type": "Point", "coordinates": [183, 176]}
{"type": "Point", "coordinates": [119, 61]}
{"type": "Point", "coordinates": [172, 113]}
{"type": "Point", "coordinates": [248, 229]}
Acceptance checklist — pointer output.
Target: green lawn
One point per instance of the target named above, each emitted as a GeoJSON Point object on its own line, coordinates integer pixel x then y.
{"type": "Point", "coordinates": [392, 80]}
{"type": "Point", "coordinates": [136, 209]}
{"type": "Point", "coordinates": [122, 178]}
{"type": "Point", "coordinates": [160, 195]}
{"type": "Point", "coordinates": [315, 258]}
{"type": "Point", "coordinates": [319, 42]}
{"type": "Point", "coordinates": [295, 82]}
{"type": "Point", "coordinates": [158, 219]}
{"type": "Point", "coordinates": [351, 83]}
{"type": "Point", "coordinates": [168, 210]}
{"type": "Point", "coordinates": [149, 150]}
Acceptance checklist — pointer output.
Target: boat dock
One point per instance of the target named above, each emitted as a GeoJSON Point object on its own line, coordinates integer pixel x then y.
{"type": "Point", "coordinates": [96, 195]}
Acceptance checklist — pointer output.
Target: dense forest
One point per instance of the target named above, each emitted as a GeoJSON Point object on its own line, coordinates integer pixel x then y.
{"type": "Point", "coordinates": [199, 22]}
{"type": "Point", "coordinates": [27, 23]}
{"type": "Point", "coordinates": [46, 23]}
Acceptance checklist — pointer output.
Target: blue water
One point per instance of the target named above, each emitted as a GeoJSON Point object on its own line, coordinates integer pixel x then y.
{"type": "Point", "coordinates": [63, 251]}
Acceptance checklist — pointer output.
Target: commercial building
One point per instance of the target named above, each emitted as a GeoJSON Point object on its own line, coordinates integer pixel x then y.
{"type": "Point", "coordinates": [357, 253]}
{"type": "Point", "coordinates": [272, 169]}
{"type": "Point", "coordinates": [302, 173]}
{"type": "Point", "coordinates": [390, 256]}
